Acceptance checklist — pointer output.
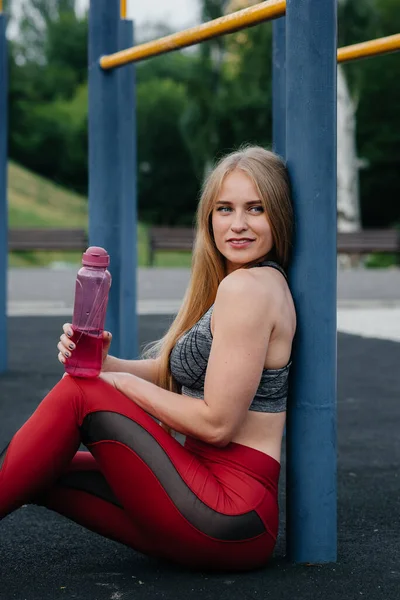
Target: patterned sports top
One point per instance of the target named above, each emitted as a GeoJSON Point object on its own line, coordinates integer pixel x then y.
{"type": "Point", "coordinates": [189, 359]}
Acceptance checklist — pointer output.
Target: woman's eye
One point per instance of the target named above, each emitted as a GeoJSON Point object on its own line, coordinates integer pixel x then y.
{"type": "Point", "coordinates": [228, 208]}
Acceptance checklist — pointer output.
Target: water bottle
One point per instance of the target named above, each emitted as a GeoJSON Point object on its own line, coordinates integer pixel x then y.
{"type": "Point", "coordinates": [91, 296]}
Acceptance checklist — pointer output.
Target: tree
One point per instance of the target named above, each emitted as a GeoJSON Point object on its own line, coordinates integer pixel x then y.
{"type": "Point", "coordinates": [200, 121]}
{"type": "Point", "coordinates": [37, 16]}
{"type": "Point", "coordinates": [246, 106]}
{"type": "Point", "coordinates": [378, 129]}
{"type": "Point", "coordinates": [355, 20]}
{"type": "Point", "coordinates": [168, 187]}
{"type": "Point", "coordinates": [48, 65]}
{"type": "Point", "coordinates": [194, 105]}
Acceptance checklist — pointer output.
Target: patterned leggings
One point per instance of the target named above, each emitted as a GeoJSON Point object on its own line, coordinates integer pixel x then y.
{"type": "Point", "coordinates": [198, 505]}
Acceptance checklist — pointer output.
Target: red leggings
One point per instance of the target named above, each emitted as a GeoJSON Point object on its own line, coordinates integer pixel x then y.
{"type": "Point", "coordinates": [197, 505]}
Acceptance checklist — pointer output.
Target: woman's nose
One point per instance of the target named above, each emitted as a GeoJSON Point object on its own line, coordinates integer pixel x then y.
{"type": "Point", "coordinates": [239, 222]}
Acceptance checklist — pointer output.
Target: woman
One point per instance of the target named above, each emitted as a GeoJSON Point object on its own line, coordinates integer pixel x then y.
{"type": "Point", "coordinates": [219, 376]}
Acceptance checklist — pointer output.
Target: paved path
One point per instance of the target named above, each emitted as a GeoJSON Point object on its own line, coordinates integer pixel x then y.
{"type": "Point", "coordinates": [368, 300]}
{"type": "Point", "coordinates": [32, 285]}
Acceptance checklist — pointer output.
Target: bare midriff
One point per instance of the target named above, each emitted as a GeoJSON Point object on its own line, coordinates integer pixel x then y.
{"type": "Point", "coordinates": [264, 432]}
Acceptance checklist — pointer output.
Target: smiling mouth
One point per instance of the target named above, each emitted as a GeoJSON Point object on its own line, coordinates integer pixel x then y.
{"type": "Point", "coordinates": [242, 241]}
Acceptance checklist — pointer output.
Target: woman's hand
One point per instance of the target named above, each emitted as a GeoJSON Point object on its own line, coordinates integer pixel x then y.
{"type": "Point", "coordinates": [66, 345]}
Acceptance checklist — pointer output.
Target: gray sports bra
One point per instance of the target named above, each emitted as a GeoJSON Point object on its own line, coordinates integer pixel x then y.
{"type": "Point", "coordinates": [189, 358]}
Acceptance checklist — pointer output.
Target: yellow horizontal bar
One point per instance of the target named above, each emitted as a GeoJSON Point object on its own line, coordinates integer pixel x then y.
{"type": "Point", "coordinates": [242, 19]}
{"type": "Point", "coordinates": [123, 9]}
{"type": "Point", "coordinates": [368, 49]}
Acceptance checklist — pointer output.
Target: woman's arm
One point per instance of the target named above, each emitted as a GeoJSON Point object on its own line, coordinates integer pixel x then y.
{"type": "Point", "coordinates": [244, 316]}
{"type": "Point", "coordinates": [183, 414]}
{"type": "Point", "coordinates": [145, 369]}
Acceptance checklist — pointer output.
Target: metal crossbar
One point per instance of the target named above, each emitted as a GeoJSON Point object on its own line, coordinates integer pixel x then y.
{"type": "Point", "coordinates": [369, 49]}
{"type": "Point", "coordinates": [242, 19]}
{"type": "Point", "coordinates": [123, 9]}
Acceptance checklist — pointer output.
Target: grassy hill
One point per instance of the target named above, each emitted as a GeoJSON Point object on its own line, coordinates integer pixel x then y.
{"type": "Point", "coordinates": [34, 201]}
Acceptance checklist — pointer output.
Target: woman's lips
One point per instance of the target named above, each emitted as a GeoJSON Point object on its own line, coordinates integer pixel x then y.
{"type": "Point", "coordinates": [240, 243]}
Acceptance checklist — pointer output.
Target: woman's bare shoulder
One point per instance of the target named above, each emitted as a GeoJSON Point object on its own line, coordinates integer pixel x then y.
{"type": "Point", "coordinates": [252, 284]}
{"type": "Point", "coordinates": [241, 294]}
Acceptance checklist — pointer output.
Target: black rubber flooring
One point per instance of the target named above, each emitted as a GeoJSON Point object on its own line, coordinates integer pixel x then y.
{"type": "Point", "coordinates": [43, 556]}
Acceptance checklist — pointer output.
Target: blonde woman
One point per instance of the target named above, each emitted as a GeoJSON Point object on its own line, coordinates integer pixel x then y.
{"type": "Point", "coordinates": [219, 376]}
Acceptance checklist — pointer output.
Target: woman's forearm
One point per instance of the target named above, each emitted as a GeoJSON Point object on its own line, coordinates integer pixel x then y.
{"type": "Point", "coordinates": [145, 369]}
{"type": "Point", "coordinates": [186, 415]}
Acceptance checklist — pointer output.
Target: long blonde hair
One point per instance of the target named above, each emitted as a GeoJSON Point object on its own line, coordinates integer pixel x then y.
{"type": "Point", "coordinates": [269, 174]}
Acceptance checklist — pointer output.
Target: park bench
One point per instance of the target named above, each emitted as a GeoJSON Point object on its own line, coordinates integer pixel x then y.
{"type": "Point", "coordinates": [349, 242]}
{"type": "Point", "coordinates": [169, 238]}
{"type": "Point", "coordinates": [181, 238]}
{"type": "Point", "coordinates": [25, 238]}
{"type": "Point", "coordinates": [368, 241]}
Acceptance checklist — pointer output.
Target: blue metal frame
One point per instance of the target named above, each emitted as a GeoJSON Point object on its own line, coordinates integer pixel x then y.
{"type": "Point", "coordinates": [128, 237]}
{"type": "Point", "coordinates": [3, 192]}
{"type": "Point", "coordinates": [279, 87]}
{"type": "Point", "coordinates": [311, 156]}
{"type": "Point", "coordinates": [104, 151]}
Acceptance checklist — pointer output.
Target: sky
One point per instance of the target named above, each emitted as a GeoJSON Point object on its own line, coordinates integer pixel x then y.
{"type": "Point", "coordinates": [176, 13]}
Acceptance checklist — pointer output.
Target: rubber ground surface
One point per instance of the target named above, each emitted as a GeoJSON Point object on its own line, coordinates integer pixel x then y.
{"type": "Point", "coordinates": [46, 557]}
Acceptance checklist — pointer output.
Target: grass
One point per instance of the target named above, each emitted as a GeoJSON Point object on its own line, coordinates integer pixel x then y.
{"type": "Point", "coordinates": [380, 261]}
{"type": "Point", "coordinates": [34, 201]}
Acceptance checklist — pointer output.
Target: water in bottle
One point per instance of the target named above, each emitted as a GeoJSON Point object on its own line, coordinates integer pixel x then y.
{"type": "Point", "coordinates": [91, 296]}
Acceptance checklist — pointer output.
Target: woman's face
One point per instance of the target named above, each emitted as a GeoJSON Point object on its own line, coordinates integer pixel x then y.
{"type": "Point", "coordinates": [241, 229]}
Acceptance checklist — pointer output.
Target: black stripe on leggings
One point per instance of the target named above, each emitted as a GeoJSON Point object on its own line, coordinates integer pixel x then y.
{"type": "Point", "coordinates": [104, 426]}
{"type": "Point", "coordinates": [92, 482]}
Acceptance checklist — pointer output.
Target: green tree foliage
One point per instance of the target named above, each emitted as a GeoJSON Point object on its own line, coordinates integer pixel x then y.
{"type": "Point", "coordinates": [246, 116]}
{"type": "Point", "coordinates": [230, 91]}
{"type": "Point", "coordinates": [192, 105]}
{"type": "Point", "coordinates": [201, 120]}
{"type": "Point", "coordinates": [379, 129]}
{"type": "Point", "coordinates": [376, 86]}
{"type": "Point", "coordinates": [48, 112]}
{"type": "Point", "coordinates": [167, 184]}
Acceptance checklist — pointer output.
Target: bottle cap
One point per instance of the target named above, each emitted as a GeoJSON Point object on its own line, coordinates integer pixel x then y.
{"type": "Point", "coordinates": [95, 257]}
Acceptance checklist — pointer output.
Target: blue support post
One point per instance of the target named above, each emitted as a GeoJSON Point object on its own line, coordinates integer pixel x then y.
{"type": "Point", "coordinates": [3, 192]}
{"type": "Point", "coordinates": [311, 155]}
{"type": "Point", "coordinates": [104, 150]}
{"type": "Point", "coordinates": [279, 87]}
{"type": "Point", "coordinates": [127, 115]}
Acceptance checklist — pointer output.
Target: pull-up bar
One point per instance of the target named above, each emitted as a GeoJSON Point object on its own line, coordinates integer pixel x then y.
{"type": "Point", "coordinates": [242, 19]}
{"type": "Point", "coordinates": [371, 48]}
{"type": "Point", "coordinates": [123, 9]}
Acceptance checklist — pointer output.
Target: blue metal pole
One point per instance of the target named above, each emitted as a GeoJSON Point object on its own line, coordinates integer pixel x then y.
{"type": "Point", "coordinates": [104, 158]}
{"type": "Point", "coordinates": [311, 155]}
{"type": "Point", "coordinates": [128, 235]}
{"type": "Point", "coordinates": [3, 192]}
{"type": "Point", "coordinates": [279, 87]}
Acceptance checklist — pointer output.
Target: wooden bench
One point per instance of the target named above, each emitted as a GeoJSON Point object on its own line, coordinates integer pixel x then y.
{"type": "Point", "coordinates": [24, 238]}
{"type": "Point", "coordinates": [368, 241]}
{"type": "Point", "coordinates": [169, 238]}
{"type": "Point", "coordinates": [351, 242]}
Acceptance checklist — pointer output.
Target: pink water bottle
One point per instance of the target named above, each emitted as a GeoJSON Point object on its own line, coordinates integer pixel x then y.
{"type": "Point", "coordinates": [91, 296]}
